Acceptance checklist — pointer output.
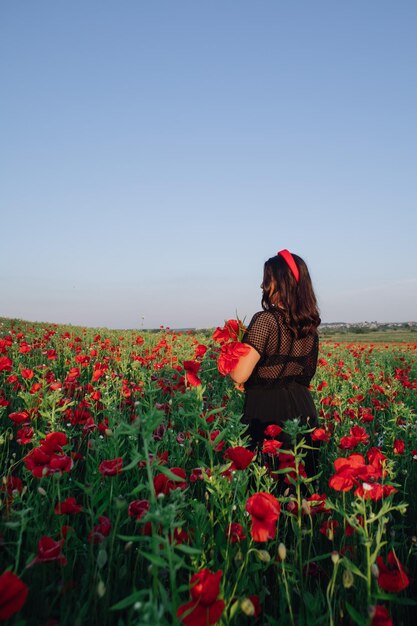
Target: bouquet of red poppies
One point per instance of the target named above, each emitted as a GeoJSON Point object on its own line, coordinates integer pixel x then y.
{"type": "Point", "coordinates": [231, 346]}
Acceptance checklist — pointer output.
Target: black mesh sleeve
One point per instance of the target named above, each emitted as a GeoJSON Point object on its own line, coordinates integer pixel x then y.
{"type": "Point", "coordinates": [258, 332]}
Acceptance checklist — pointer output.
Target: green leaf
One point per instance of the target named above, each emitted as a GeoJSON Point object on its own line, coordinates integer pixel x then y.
{"type": "Point", "coordinates": [320, 557]}
{"type": "Point", "coordinates": [219, 438]}
{"type": "Point", "coordinates": [187, 549]}
{"type": "Point", "coordinates": [12, 525]}
{"type": "Point", "coordinates": [155, 560]}
{"type": "Point", "coordinates": [214, 411]}
{"type": "Point", "coordinates": [133, 463]}
{"type": "Point", "coordinates": [128, 601]}
{"type": "Point", "coordinates": [353, 568]}
{"type": "Point", "coordinates": [395, 599]}
{"type": "Point", "coordinates": [169, 474]}
{"type": "Point", "coordinates": [134, 538]}
{"type": "Point", "coordinates": [356, 616]}
{"type": "Point", "coordinates": [101, 558]}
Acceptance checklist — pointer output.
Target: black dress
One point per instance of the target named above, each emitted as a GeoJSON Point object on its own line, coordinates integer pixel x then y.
{"type": "Point", "coordinates": [278, 388]}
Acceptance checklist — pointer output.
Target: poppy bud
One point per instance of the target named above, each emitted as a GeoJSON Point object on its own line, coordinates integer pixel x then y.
{"type": "Point", "coordinates": [238, 557]}
{"type": "Point", "coordinates": [305, 507]}
{"type": "Point", "coordinates": [335, 557]}
{"type": "Point", "coordinates": [348, 579]}
{"type": "Point", "coordinates": [247, 607]}
{"type": "Point", "coordinates": [101, 589]}
{"type": "Point", "coordinates": [263, 555]}
{"type": "Point", "coordinates": [282, 551]}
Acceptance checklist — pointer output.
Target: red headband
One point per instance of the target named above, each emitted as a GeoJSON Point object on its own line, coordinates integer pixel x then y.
{"type": "Point", "coordinates": [290, 262]}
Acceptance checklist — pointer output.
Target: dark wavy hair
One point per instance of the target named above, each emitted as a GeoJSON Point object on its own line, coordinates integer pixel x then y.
{"type": "Point", "coordinates": [297, 299]}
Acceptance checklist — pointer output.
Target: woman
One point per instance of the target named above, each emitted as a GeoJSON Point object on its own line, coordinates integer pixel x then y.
{"type": "Point", "coordinates": [283, 348]}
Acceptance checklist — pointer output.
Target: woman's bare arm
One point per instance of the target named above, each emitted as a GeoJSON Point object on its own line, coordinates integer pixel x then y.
{"type": "Point", "coordinates": [245, 366]}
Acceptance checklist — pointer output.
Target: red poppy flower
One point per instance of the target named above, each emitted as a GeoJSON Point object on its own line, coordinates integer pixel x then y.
{"type": "Point", "coordinates": [357, 435]}
{"type": "Point", "coordinates": [377, 461]}
{"type": "Point", "coordinates": [200, 350]}
{"type": "Point", "coordinates": [60, 463]}
{"type": "Point", "coordinates": [20, 417]}
{"type": "Point", "coordinates": [79, 416]}
{"type": "Point", "coordinates": [204, 608]}
{"type": "Point", "coordinates": [287, 461]}
{"type": "Point", "coordinates": [111, 467]}
{"type": "Point", "coordinates": [191, 369]}
{"type": "Point", "coordinates": [346, 472]}
{"type": "Point", "coordinates": [50, 550]}
{"type": "Point", "coordinates": [138, 508]}
{"type": "Point", "coordinates": [320, 434]}
{"type": "Point", "coordinates": [328, 528]}
{"type": "Point", "coordinates": [399, 446]}
{"type": "Point", "coordinates": [5, 343]}
{"type": "Point", "coordinates": [11, 484]}
{"type": "Point", "coordinates": [392, 577]}
{"type": "Point", "coordinates": [197, 474]}
{"type": "Point", "coordinates": [179, 536]}
{"type": "Point", "coordinates": [265, 510]}
{"type": "Point", "coordinates": [3, 401]}
{"type": "Point", "coordinates": [101, 530]}
{"type": "Point", "coordinates": [271, 446]}
{"type": "Point", "coordinates": [229, 332]}
{"type": "Point", "coordinates": [230, 353]}
{"type": "Point", "coordinates": [235, 532]}
{"type": "Point", "coordinates": [317, 504]}
{"type": "Point", "coordinates": [374, 491]}
{"type": "Point", "coordinates": [365, 414]}
{"type": "Point", "coordinates": [220, 445]}
{"type": "Point", "coordinates": [13, 594]}
{"type": "Point", "coordinates": [273, 430]}
{"type": "Point", "coordinates": [241, 457]}
{"type": "Point", "coordinates": [53, 442]}
{"type": "Point", "coordinates": [97, 374]}
{"type": "Point", "coordinates": [24, 435]}
{"type": "Point", "coordinates": [27, 373]}
{"type": "Point", "coordinates": [68, 507]}
{"type": "Point", "coordinates": [165, 485]}
{"type": "Point", "coordinates": [36, 461]}
{"type": "Point", "coordinates": [381, 617]}
{"type": "Point", "coordinates": [6, 364]}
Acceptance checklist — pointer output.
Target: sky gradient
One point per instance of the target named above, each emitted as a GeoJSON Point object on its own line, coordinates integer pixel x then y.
{"type": "Point", "coordinates": [155, 154]}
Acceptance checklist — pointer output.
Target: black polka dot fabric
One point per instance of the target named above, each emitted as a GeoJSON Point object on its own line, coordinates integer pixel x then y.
{"type": "Point", "coordinates": [284, 358]}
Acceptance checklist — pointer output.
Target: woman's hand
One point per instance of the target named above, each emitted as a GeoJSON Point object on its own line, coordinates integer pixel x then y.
{"type": "Point", "coordinates": [240, 386]}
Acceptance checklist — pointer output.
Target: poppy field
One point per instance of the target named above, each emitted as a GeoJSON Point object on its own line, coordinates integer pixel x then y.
{"type": "Point", "coordinates": [130, 496]}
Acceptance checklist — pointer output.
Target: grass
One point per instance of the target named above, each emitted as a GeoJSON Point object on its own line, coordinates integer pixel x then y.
{"type": "Point", "coordinates": [371, 336]}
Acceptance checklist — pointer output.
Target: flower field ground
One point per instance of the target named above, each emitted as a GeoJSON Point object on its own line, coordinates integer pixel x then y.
{"type": "Point", "coordinates": [129, 495]}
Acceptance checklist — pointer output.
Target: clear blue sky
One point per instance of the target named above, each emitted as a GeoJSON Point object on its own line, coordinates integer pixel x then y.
{"type": "Point", "coordinates": [155, 153]}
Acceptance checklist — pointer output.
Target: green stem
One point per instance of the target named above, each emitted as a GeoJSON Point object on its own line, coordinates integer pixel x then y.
{"type": "Point", "coordinates": [368, 555]}
{"type": "Point", "coordinates": [330, 593]}
{"type": "Point", "coordinates": [287, 594]}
